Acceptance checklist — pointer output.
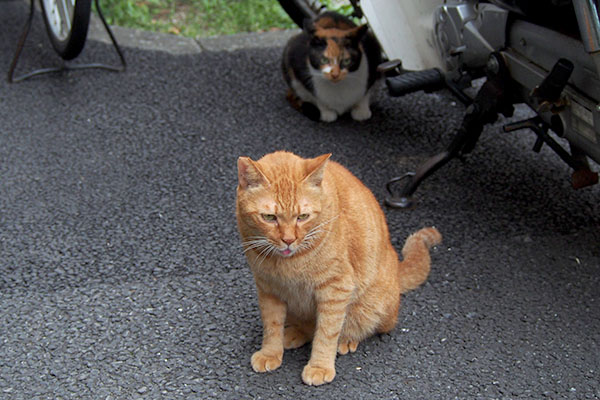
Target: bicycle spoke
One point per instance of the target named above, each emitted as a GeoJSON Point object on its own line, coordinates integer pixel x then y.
{"type": "Point", "coordinates": [66, 13]}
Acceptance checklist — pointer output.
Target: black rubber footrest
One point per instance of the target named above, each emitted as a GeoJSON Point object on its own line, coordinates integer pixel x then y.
{"type": "Point", "coordinates": [428, 80]}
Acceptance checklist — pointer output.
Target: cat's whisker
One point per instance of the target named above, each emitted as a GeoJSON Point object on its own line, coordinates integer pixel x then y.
{"type": "Point", "coordinates": [314, 233]}
{"type": "Point", "coordinates": [258, 240]}
{"type": "Point", "coordinates": [252, 241]}
{"type": "Point", "coordinates": [256, 260]}
{"type": "Point", "coordinates": [255, 237]}
{"type": "Point", "coordinates": [254, 244]}
{"type": "Point", "coordinates": [258, 246]}
{"type": "Point", "coordinates": [266, 252]}
{"type": "Point", "coordinates": [306, 245]}
{"type": "Point", "coordinates": [330, 220]}
{"type": "Point", "coordinates": [317, 229]}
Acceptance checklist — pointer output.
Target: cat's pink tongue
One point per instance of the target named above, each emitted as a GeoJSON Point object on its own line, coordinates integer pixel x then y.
{"type": "Point", "coordinates": [286, 252]}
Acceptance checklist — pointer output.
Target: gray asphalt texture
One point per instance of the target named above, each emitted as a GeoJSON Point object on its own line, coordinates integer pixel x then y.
{"type": "Point", "coordinates": [121, 273]}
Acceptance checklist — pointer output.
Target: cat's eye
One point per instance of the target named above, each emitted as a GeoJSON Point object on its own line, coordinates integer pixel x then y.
{"type": "Point", "coordinates": [346, 63]}
{"type": "Point", "coordinates": [324, 60]}
{"type": "Point", "coordinates": [303, 217]}
{"type": "Point", "coordinates": [269, 217]}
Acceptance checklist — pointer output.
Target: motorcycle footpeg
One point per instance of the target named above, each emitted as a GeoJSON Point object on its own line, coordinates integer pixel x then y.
{"type": "Point", "coordinates": [428, 80]}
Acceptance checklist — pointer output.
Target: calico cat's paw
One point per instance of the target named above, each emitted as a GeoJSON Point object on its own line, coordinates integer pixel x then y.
{"type": "Point", "coordinates": [361, 112]}
{"type": "Point", "coordinates": [263, 361]}
{"type": "Point", "coordinates": [316, 375]}
{"type": "Point", "coordinates": [328, 115]}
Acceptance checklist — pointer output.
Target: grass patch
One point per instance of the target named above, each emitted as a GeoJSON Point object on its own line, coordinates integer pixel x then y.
{"type": "Point", "coordinates": [201, 18]}
{"type": "Point", "coordinates": [197, 18]}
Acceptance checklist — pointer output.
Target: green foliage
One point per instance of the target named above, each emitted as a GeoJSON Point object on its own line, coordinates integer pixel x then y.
{"type": "Point", "coordinates": [342, 7]}
{"type": "Point", "coordinates": [197, 18]}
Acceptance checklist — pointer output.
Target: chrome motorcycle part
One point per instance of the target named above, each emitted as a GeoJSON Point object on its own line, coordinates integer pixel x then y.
{"type": "Point", "coordinates": [579, 110]}
{"type": "Point", "coordinates": [466, 32]}
{"type": "Point", "coordinates": [589, 23]}
{"type": "Point", "coordinates": [588, 18]}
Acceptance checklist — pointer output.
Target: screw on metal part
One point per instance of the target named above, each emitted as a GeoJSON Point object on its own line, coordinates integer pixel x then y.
{"type": "Point", "coordinates": [492, 65]}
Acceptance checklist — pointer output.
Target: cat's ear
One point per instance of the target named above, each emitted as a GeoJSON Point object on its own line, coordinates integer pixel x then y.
{"type": "Point", "coordinates": [315, 168]}
{"type": "Point", "coordinates": [309, 26]}
{"type": "Point", "coordinates": [357, 33]}
{"type": "Point", "coordinates": [249, 174]}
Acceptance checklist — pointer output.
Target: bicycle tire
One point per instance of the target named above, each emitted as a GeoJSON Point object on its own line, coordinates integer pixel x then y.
{"type": "Point", "coordinates": [67, 23]}
{"type": "Point", "coordinates": [299, 10]}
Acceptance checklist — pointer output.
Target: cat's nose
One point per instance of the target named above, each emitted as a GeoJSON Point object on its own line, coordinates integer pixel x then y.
{"type": "Point", "coordinates": [288, 240]}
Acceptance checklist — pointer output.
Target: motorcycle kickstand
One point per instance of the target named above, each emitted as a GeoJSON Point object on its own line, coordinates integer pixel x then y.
{"type": "Point", "coordinates": [493, 97]}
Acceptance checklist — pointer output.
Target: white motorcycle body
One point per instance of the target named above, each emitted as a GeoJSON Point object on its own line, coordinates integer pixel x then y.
{"type": "Point", "coordinates": [405, 30]}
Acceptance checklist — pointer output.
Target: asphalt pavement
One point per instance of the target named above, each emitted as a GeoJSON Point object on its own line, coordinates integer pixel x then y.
{"type": "Point", "coordinates": [121, 272]}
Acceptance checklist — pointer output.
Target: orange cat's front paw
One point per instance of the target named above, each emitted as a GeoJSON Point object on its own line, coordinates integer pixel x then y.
{"type": "Point", "coordinates": [264, 362]}
{"type": "Point", "coordinates": [313, 375]}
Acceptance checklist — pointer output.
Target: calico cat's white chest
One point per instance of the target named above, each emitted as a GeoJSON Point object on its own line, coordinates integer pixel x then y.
{"type": "Point", "coordinates": [343, 95]}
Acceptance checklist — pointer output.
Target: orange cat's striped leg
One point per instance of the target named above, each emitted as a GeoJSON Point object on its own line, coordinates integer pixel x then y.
{"type": "Point", "coordinates": [272, 311]}
{"type": "Point", "coordinates": [332, 299]}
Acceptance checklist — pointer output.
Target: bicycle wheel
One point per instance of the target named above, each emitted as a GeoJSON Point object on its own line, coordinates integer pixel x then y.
{"type": "Point", "coordinates": [67, 24]}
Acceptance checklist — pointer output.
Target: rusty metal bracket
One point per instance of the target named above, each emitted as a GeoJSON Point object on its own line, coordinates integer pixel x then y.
{"type": "Point", "coordinates": [582, 175]}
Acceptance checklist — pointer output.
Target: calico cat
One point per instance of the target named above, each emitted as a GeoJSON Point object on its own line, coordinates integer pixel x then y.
{"type": "Point", "coordinates": [331, 67]}
{"type": "Point", "coordinates": [319, 249]}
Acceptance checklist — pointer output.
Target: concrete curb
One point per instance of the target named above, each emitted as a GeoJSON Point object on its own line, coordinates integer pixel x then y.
{"type": "Point", "coordinates": [178, 45]}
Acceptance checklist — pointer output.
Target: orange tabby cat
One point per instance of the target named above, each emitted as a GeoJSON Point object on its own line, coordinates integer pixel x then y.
{"type": "Point", "coordinates": [320, 252]}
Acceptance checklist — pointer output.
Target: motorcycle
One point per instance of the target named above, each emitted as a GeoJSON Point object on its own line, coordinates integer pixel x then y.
{"type": "Point", "coordinates": [543, 53]}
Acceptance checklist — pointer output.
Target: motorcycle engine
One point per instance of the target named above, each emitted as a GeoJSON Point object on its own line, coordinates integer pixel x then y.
{"type": "Point", "coordinates": [467, 32]}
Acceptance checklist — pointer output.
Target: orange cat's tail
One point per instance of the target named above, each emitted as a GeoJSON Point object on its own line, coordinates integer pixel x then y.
{"type": "Point", "coordinates": [415, 267]}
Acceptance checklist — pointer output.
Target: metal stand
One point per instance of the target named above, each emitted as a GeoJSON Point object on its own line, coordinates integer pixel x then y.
{"type": "Point", "coordinates": [64, 67]}
{"type": "Point", "coordinates": [492, 98]}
